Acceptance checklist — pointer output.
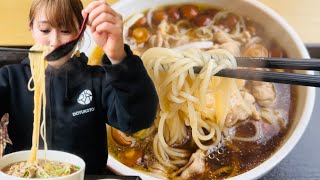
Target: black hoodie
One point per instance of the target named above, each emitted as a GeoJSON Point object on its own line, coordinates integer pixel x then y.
{"type": "Point", "coordinates": [81, 99]}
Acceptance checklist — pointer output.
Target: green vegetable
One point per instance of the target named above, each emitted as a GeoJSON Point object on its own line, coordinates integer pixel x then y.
{"type": "Point", "coordinates": [26, 174]}
{"type": "Point", "coordinates": [76, 167]}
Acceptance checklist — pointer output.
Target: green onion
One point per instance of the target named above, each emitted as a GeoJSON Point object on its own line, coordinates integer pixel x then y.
{"type": "Point", "coordinates": [26, 174]}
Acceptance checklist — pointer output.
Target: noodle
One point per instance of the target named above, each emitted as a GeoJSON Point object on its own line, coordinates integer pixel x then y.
{"type": "Point", "coordinates": [34, 167]}
{"type": "Point", "coordinates": [38, 66]}
{"type": "Point", "coordinates": [183, 99]}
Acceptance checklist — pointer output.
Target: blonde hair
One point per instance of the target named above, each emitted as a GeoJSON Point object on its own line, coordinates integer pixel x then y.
{"type": "Point", "coordinates": [58, 13]}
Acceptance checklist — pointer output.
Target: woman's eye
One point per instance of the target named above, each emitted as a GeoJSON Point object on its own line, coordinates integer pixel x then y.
{"type": "Point", "coordinates": [65, 31]}
{"type": "Point", "coordinates": [44, 30]}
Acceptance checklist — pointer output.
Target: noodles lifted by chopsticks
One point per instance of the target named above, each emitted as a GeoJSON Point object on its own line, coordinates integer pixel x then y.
{"type": "Point", "coordinates": [199, 101]}
{"type": "Point", "coordinates": [38, 66]}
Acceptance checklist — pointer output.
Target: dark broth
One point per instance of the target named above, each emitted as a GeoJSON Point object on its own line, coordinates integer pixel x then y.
{"type": "Point", "coordinates": [251, 154]}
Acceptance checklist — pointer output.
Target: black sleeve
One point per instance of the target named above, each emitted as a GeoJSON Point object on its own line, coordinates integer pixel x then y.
{"type": "Point", "coordinates": [4, 91]}
{"type": "Point", "coordinates": [129, 95]}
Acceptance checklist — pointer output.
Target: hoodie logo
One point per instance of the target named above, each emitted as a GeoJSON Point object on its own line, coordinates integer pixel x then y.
{"type": "Point", "coordinates": [85, 97]}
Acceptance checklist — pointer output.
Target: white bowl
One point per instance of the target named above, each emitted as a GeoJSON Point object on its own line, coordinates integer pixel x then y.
{"type": "Point", "coordinates": [50, 155]}
{"type": "Point", "coordinates": [275, 27]}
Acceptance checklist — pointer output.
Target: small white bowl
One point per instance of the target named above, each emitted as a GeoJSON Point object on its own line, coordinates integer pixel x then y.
{"type": "Point", "coordinates": [50, 155]}
{"type": "Point", "coordinates": [275, 27]}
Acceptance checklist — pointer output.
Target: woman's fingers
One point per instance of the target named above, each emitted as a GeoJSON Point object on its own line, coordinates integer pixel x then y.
{"type": "Point", "coordinates": [104, 17]}
{"type": "Point", "coordinates": [107, 28]}
{"type": "Point", "coordinates": [93, 5]}
{"type": "Point", "coordinates": [113, 29]}
{"type": "Point", "coordinates": [96, 8]}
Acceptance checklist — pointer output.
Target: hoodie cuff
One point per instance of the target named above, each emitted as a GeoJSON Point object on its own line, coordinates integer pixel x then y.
{"type": "Point", "coordinates": [125, 68]}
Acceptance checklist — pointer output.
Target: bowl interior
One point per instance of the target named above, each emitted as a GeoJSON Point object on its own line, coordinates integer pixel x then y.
{"type": "Point", "coordinates": [50, 155]}
{"type": "Point", "coordinates": [276, 28]}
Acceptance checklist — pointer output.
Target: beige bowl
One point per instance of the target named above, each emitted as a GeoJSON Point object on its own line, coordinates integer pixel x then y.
{"type": "Point", "coordinates": [50, 155]}
{"type": "Point", "coordinates": [275, 27]}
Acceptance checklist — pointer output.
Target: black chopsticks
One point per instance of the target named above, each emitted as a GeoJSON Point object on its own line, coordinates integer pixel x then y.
{"type": "Point", "coordinates": [271, 76]}
{"type": "Point", "coordinates": [279, 63]}
{"type": "Point", "coordinates": [256, 75]}
{"type": "Point", "coordinates": [17, 50]}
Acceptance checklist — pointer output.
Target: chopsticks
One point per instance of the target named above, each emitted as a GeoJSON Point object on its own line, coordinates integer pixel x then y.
{"type": "Point", "coordinates": [270, 76]}
{"type": "Point", "coordinates": [257, 75]}
{"type": "Point", "coordinates": [17, 50]}
{"type": "Point", "coordinates": [279, 63]}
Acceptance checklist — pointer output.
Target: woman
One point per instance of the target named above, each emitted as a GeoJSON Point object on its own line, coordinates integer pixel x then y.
{"type": "Point", "coordinates": [80, 98]}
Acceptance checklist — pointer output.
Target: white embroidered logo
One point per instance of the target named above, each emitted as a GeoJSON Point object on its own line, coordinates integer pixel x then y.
{"type": "Point", "coordinates": [85, 97]}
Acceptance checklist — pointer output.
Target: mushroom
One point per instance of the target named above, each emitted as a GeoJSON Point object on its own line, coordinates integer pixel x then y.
{"type": "Point", "coordinates": [140, 34]}
{"type": "Point", "coordinates": [121, 138]}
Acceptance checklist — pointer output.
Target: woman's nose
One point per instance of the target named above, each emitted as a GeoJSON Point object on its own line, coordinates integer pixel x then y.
{"type": "Point", "coordinates": [55, 39]}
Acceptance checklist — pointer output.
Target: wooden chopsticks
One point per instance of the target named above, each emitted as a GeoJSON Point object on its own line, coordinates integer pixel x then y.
{"type": "Point", "coordinates": [271, 76]}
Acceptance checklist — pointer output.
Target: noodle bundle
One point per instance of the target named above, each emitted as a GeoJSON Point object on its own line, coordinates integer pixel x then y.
{"type": "Point", "coordinates": [199, 101]}
{"type": "Point", "coordinates": [34, 167]}
{"type": "Point", "coordinates": [38, 66]}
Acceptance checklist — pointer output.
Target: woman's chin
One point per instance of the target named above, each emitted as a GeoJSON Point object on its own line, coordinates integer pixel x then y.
{"type": "Point", "coordinates": [58, 63]}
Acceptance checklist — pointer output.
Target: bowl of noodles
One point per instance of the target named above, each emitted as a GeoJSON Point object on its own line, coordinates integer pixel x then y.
{"type": "Point", "coordinates": [51, 165]}
{"type": "Point", "coordinates": [209, 127]}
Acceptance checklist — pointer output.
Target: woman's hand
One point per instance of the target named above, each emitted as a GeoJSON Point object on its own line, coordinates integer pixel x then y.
{"type": "Point", "coordinates": [106, 27]}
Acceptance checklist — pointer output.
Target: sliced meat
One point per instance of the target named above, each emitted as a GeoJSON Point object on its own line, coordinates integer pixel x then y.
{"type": "Point", "coordinates": [256, 50]}
{"type": "Point", "coordinates": [221, 37]}
{"type": "Point", "coordinates": [264, 93]}
{"type": "Point", "coordinates": [196, 165]}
